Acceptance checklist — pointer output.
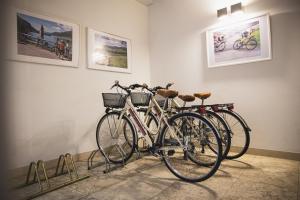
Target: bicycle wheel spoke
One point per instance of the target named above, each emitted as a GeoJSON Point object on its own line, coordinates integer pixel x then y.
{"type": "Point", "coordinates": [115, 137]}
{"type": "Point", "coordinates": [239, 135]}
{"type": "Point", "coordinates": [194, 161]}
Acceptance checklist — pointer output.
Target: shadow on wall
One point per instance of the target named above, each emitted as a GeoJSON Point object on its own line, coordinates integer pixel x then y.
{"type": "Point", "coordinates": [89, 138]}
{"type": "Point", "coordinates": [282, 25]}
{"type": "Point", "coordinates": [55, 140]}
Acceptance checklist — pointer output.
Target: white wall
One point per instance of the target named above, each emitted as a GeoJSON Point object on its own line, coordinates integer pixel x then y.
{"type": "Point", "coordinates": [266, 93]}
{"type": "Point", "coordinates": [55, 109]}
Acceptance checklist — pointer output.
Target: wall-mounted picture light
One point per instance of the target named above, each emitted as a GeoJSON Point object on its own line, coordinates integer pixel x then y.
{"type": "Point", "coordinates": [236, 8]}
{"type": "Point", "coordinates": [222, 12]}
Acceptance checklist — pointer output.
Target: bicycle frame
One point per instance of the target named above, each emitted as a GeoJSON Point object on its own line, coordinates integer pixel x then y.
{"type": "Point", "coordinates": [159, 112]}
{"type": "Point", "coordinates": [141, 125]}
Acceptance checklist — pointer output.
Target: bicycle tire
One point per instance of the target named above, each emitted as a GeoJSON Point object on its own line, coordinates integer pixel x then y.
{"type": "Point", "coordinates": [173, 168]}
{"type": "Point", "coordinates": [237, 45]}
{"type": "Point", "coordinates": [245, 129]}
{"type": "Point", "coordinates": [252, 46]}
{"type": "Point", "coordinates": [221, 48]}
{"type": "Point", "coordinates": [131, 142]}
{"type": "Point", "coordinates": [224, 131]}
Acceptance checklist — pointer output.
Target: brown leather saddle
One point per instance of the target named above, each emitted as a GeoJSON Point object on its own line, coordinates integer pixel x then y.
{"type": "Point", "coordinates": [202, 95]}
{"type": "Point", "coordinates": [167, 93]}
{"type": "Point", "coordinates": [186, 98]}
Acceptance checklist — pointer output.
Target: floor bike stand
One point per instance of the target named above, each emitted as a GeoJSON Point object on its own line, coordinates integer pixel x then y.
{"type": "Point", "coordinates": [91, 160]}
{"type": "Point", "coordinates": [108, 164]}
{"type": "Point", "coordinates": [37, 168]}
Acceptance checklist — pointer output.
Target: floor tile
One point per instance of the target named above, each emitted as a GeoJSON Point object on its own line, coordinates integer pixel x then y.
{"type": "Point", "coordinates": [249, 177]}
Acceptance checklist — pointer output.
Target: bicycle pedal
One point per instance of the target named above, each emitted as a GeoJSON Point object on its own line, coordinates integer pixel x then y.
{"type": "Point", "coordinates": [156, 154]}
{"type": "Point", "coordinates": [154, 151]}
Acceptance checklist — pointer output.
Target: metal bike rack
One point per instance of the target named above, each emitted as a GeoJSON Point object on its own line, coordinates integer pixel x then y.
{"type": "Point", "coordinates": [91, 160]}
{"type": "Point", "coordinates": [108, 164]}
{"type": "Point", "coordinates": [108, 167]}
{"type": "Point", "coordinates": [33, 175]}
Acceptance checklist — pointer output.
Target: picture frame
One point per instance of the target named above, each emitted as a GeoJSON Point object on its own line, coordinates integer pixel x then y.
{"type": "Point", "coordinates": [245, 41]}
{"type": "Point", "coordinates": [108, 52]}
{"type": "Point", "coordinates": [43, 39]}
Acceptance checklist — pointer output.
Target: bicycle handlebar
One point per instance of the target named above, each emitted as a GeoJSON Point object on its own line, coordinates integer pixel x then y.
{"type": "Point", "coordinates": [144, 86]}
{"type": "Point", "coordinates": [153, 90]}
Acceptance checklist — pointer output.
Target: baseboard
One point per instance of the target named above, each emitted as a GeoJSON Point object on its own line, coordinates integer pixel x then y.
{"type": "Point", "coordinates": [275, 154]}
{"type": "Point", "coordinates": [270, 153]}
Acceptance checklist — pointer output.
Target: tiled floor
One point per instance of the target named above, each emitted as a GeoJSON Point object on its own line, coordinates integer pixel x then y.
{"type": "Point", "coordinates": [250, 177]}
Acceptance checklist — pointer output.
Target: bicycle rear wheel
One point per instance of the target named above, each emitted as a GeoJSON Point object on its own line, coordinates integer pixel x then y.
{"type": "Point", "coordinates": [237, 44]}
{"type": "Point", "coordinates": [116, 137]}
{"type": "Point", "coordinates": [222, 128]}
{"type": "Point", "coordinates": [194, 161]}
{"type": "Point", "coordinates": [240, 136]}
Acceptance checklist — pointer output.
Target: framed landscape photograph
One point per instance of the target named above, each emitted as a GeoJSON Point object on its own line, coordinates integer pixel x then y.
{"type": "Point", "coordinates": [45, 40]}
{"type": "Point", "coordinates": [242, 42]}
{"type": "Point", "coordinates": [108, 52]}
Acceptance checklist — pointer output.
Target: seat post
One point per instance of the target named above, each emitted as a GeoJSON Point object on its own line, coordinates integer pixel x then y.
{"type": "Point", "coordinates": [202, 102]}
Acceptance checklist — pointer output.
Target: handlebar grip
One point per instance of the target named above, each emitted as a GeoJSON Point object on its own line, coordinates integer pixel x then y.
{"type": "Point", "coordinates": [133, 86]}
{"type": "Point", "coordinates": [145, 85]}
{"type": "Point", "coordinates": [157, 88]}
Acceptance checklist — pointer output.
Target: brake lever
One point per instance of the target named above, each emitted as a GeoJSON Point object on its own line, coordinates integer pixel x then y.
{"type": "Point", "coordinates": [169, 85]}
{"type": "Point", "coordinates": [114, 85]}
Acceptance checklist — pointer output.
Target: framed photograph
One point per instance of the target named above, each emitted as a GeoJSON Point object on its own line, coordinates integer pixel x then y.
{"type": "Point", "coordinates": [242, 42]}
{"type": "Point", "coordinates": [108, 52]}
{"type": "Point", "coordinates": [42, 39]}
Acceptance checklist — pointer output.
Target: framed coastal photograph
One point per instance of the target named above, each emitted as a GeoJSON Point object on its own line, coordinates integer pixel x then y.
{"type": "Point", "coordinates": [108, 52]}
{"type": "Point", "coordinates": [242, 42]}
{"type": "Point", "coordinates": [42, 39]}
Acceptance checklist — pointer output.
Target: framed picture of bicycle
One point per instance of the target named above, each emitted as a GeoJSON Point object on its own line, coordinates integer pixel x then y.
{"type": "Point", "coordinates": [108, 52]}
{"type": "Point", "coordinates": [242, 42]}
{"type": "Point", "coordinates": [43, 39]}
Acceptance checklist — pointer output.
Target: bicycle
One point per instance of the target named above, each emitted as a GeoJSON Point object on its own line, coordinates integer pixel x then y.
{"type": "Point", "coordinates": [233, 129]}
{"type": "Point", "coordinates": [173, 137]}
{"type": "Point", "coordinates": [219, 45]}
{"type": "Point", "coordinates": [218, 122]}
{"type": "Point", "coordinates": [250, 43]}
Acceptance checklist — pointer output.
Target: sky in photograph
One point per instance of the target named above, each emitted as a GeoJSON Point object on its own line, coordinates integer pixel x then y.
{"type": "Point", "coordinates": [49, 26]}
{"type": "Point", "coordinates": [238, 29]}
{"type": "Point", "coordinates": [109, 41]}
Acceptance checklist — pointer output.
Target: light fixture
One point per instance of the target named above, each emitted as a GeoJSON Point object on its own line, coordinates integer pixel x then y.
{"type": "Point", "coordinates": [236, 8]}
{"type": "Point", "coordinates": [221, 13]}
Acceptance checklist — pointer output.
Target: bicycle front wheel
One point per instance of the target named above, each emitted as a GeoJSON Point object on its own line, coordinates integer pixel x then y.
{"type": "Point", "coordinates": [251, 44]}
{"type": "Point", "coordinates": [116, 137]}
{"type": "Point", "coordinates": [185, 147]}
